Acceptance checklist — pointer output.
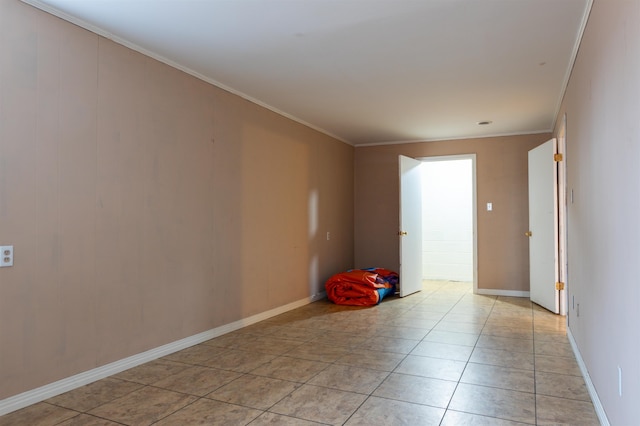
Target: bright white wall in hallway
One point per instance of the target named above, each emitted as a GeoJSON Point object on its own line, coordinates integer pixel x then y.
{"type": "Point", "coordinates": [447, 229]}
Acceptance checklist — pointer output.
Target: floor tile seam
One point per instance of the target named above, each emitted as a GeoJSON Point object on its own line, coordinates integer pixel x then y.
{"type": "Point", "coordinates": [457, 383]}
{"type": "Point", "coordinates": [343, 390]}
{"type": "Point", "coordinates": [488, 416]}
{"type": "Point", "coordinates": [448, 343]}
{"type": "Point", "coordinates": [98, 417]}
{"type": "Point", "coordinates": [190, 365]}
{"type": "Point", "coordinates": [254, 408]}
{"type": "Point", "coordinates": [418, 376]}
{"type": "Point", "coordinates": [484, 324]}
{"type": "Point", "coordinates": [56, 406]}
{"type": "Point", "coordinates": [496, 387]}
{"type": "Point", "coordinates": [164, 417]}
{"type": "Point", "coordinates": [501, 366]}
{"type": "Point", "coordinates": [507, 350]}
{"type": "Point", "coordinates": [440, 358]}
{"type": "Point", "coordinates": [142, 386]}
{"type": "Point", "coordinates": [409, 402]}
{"type": "Point", "coordinates": [535, 382]}
{"type": "Point", "coordinates": [587, 400]}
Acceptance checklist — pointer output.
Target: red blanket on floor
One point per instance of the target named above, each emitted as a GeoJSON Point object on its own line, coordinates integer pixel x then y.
{"type": "Point", "coordinates": [361, 287]}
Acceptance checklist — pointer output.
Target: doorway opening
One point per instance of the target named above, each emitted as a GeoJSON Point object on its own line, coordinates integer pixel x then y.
{"type": "Point", "coordinates": [449, 244]}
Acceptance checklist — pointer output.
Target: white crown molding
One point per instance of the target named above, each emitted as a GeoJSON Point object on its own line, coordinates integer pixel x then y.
{"type": "Point", "coordinates": [101, 32]}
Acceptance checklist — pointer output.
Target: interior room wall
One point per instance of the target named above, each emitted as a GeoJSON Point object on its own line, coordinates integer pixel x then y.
{"type": "Point", "coordinates": [145, 205]}
{"type": "Point", "coordinates": [501, 173]}
{"type": "Point", "coordinates": [602, 106]}
{"type": "Point", "coordinates": [447, 226]}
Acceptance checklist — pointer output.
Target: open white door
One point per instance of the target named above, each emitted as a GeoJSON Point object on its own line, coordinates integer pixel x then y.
{"type": "Point", "coordinates": [543, 230]}
{"type": "Point", "coordinates": [410, 232]}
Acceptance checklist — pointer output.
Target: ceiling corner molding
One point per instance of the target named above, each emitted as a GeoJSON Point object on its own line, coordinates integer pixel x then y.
{"type": "Point", "coordinates": [572, 61]}
{"type": "Point", "coordinates": [495, 135]}
{"type": "Point", "coordinates": [101, 32]}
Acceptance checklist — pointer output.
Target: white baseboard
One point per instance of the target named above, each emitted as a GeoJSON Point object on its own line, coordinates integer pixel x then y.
{"type": "Point", "coordinates": [602, 416]}
{"type": "Point", "coordinates": [496, 292]}
{"type": "Point", "coordinates": [25, 399]}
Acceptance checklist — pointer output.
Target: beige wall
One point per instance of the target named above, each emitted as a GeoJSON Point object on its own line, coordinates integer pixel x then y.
{"type": "Point", "coordinates": [501, 172]}
{"type": "Point", "coordinates": [602, 105]}
{"type": "Point", "coordinates": [145, 205]}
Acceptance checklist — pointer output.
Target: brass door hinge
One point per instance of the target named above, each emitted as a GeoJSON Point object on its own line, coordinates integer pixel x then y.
{"type": "Point", "coordinates": [559, 286]}
{"type": "Point", "coordinates": [557, 157]}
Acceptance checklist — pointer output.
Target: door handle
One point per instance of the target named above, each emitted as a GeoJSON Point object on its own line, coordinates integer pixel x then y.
{"type": "Point", "coordinates": [401, 233]}
{"type": "Point", "coordinates": [528, 234]}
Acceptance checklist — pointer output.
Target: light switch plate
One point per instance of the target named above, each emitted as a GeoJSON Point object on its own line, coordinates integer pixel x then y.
{"type": "Point", "coordinates": [6, 258]}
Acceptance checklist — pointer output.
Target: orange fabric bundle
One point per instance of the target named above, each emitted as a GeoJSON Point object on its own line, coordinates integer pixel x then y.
{"type": "Point", "coordinates": [360, 287]}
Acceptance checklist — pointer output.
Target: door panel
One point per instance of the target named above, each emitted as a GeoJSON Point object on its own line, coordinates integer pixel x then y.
{"type": "Point", "coordinates": [410, 232]}
{"type": "Point", "coordinates": [543, 226]}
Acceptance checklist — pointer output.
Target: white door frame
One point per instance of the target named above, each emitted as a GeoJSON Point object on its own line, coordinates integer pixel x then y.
{"type": "Point", "coordinates": [474, 205]}
{"type": "Point", "coordinates": [410, 232]}
{"type": "Point", "coordinates": [563, 259]}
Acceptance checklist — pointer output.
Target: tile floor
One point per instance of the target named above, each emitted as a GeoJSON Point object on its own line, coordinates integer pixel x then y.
{"type": "Point", "coordinates": [439, 357]}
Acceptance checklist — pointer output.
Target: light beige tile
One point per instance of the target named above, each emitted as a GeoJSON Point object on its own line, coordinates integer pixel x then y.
{"type": "Point", "coordinates": [505, 343]}
{"type": "Point", "coordinates": [452, 338]}
{"type": "Point", "coordinates": [413, 322]}
{"type": "Point", "coordinates": [562, 386]}
{"type": "Point", "coordinates": [443, 351]}
{"type": "Point", "coordinates": [409, 333]}
{"type": "Point", "coordinates": [560, 365]}
{"type": "Point", "coordinates": [384, 412]}
{"type": "Point", "coordinates": [553, 349]}
{"type": "Point", "coordinates": [197, 380]}
{"type": "Point", "coordinates": [469, 318]}
{"type": "Point", "coordinates": [94, 394]}
{"type": "Point", "coordinates": [270, 345]}
{"type": "Point", "coordinates": [499, 377]}
{"type": "Point", "coordinates": [560, 411]}
{"type": "Point", "coordinates": [349, 378]}
{"type": "Point", "coordinates": [144, 406]}
{"type": "Point", "coordinates": [512, 321]}
{"type": "Point", "coordinates": [339, 338]}
{"type": "Point", "coordinates": [318, 352]}
{"type": "Point", "coordinates": [240, 361]}
{"type": "Point", "coordinates": [435, 368]}
{"type": "Point", "coordinates": [151, 371]}
{"type": "Point", "coordinates": [510, 332]}
{"type": "Point", "coordinates": [459, 327]}
{"type": "Point", "coordinates": [514, 302]}
{"type": "Point", "coordinates": [296, 333]}
{"type": "Point", "coordinates": [384, 361]}
{"type": "Point", "coordinates": [209, 412]}
{"type": "Point", "coordinates": [423, 314]}
{"type": "Point", "coordinates": [40, 414]}
{"type": "Point", "coordinates": [292, 369]}
{"type": "Point", "coordinates": [320, 404]}
{"type": "Point", "coordinates": [389, 344]}
{"type": "Point", "coordinates": [416, 389]}
{"type": "Point", "coordinates": [274, 419]}
{"type": "Point", "coordinates": [254, 391]}
{"type": "Point", "coordinates": [87, 420]}
{"type": "Point", "coordinates": [493, 402]}
{"type": "Point", "coordinates": [457, 418]}
{"type": "Point", "coordinates": [522, 360]}
{"type": "Point", "coordinates": [196, 355]}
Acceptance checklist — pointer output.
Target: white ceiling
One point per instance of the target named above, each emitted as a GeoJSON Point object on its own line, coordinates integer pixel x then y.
{"type": "Point", "coordinates": [365, 71]}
